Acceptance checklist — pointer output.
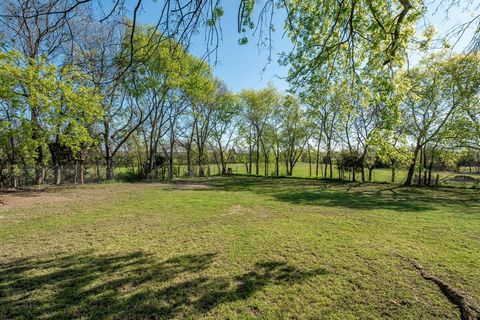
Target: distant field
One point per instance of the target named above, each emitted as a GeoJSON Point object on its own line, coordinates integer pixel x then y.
{"type": "Point", "coordinates": [237, 248]}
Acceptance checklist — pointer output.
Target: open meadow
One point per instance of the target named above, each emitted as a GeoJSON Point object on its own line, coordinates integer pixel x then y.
{"type": "Point", "coordinates": [239, 159]}
{"type": "Point", "coordinates": [238, 248]}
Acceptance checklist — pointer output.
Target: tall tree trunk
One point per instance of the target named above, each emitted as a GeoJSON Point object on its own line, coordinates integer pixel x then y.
{"type": "Point", "coordinates": [250, 155]}
{"type": "Point", "coordinates": [109, 168]}
{"type": "Point", "coordinates": [309, 161]}
{"type": "Point", "coordinates": [362, 167]}
{"type": "Point", "coordinates": [98, 169]}
{"type": "Point", "coordinates": [13, 177]}
{"type": "Point", "coordinates": [208, 165]}
{"type": "Point", "coordinates": [81, 172]}
{"type": "Point", "coordinates": [75, 174]}
{"type": "Point", "coordinates": [265, 161]}
{"type": "Point", "coordinates": [189, 161]}
{"type": "Point", "coordinates": [317, 160]}
{"type": "Point", "coordinates": [425, 182]}
{"type": "Point", "coordinates": [170, 160]}
{"type": "Point", "coordinates": [392, 180]}
{"type": "Point", "coordinates": [57, 174]}
{"type": "Point", "coordinates": [277, 165]}
{"type": "Point", "coordinates": [39, 168]}
{"type": "Point", "coordinates": [331, 166]}
{"type": "Point", "coordinates": [411, 168]}
{"type": "Point", "coordinates": [420, 164]}
{"type": "Point", "coordinates": [201, 172]}
{"type": "Point", "coordinates": [430, 168]}
{"type": "Point", "coordinates": [223, 162]}
{"type": "Point", "coordinates": [257, 157]}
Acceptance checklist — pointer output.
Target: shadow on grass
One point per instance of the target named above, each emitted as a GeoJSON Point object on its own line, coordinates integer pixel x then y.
{"type": "Point", "coordinates": [352, 200]}
{"type": "Point", "coordinates": [129, 286]}
{"type": "Point", "coordinates": [337, 193]}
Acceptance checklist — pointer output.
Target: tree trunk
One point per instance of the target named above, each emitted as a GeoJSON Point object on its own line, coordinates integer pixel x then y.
{"type": "Point", "coordinates": [57, 174]}
{"type": "Point", "coordinates": [75, 175]}
{"type": "Point", "coordinates": [170, 160]}
{"type": "Point", "coordinates": [189, 161]}
{"type": "Point", "coordinates": [223, 162]}
{"type": "Point", "coordinates": [39, 168]}
{"type": "Point", "coordinates": [331, 167]}
{"type": "Point", "coordinates": [411, 169]}
{"type": "Point", "coordinates": [309, 161]}
{"type": "Point", "coordinates": [201, 171]}
{"type": "Point", "coordinates": [362, 167]}
{"type": "Point", "coordinates": [419, 182]}
{"type": "Point", "coordinates": [430, 168]}
{"type": "Point", "coordinates": [109, 169]}
{"type": "Point", "coordinates": [13, 177]}
{"type": "Point", "coordinates": [98, 169]}
{"type": "Point", "coordinates": [265, 161]}
{"type": "Point", "coordinates": [81, 172]}
{"type": "Point", "coordinates": [425, 182]}
{"type": "Point", "coordinates": [393, 172]}
{"type": "Point", "coordinates": [257, 157]}
{"type": "Point", "coordinates": [250, 151]}
{"type": "Point", "coordinates": [317, 160]}
{"type": "Point", "coordinates": [277, 166]}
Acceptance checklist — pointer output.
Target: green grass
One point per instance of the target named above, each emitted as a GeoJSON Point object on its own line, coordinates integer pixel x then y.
{"type": "Point", "coordinates": [236, 248]}
{"type": "Point", "coordinates": [302, 170]}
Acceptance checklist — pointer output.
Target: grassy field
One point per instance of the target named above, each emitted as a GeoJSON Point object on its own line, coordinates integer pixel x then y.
{"type": "Point", "coordinates": [237, 248]}
{"type": "Point", "coordinates": [302, 170]}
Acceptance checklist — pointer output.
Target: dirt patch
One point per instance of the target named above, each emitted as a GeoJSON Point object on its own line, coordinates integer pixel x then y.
{"type": "Point", "coordinates": [86, 194]}
{"type": "Point", "coordinates": [30, 198]}
{"type": "Point", "coordinates": [235, 210]}
{"type": "Point", "coordinates": [59, 196]}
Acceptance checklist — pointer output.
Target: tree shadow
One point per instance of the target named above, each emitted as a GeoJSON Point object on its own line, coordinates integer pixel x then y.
{"type": "Point", "coordinates": [337, 193]}
{"type": "Point", "coordinates": [133, 286]}
{"type": "Point", "coordinates": [353, 200]}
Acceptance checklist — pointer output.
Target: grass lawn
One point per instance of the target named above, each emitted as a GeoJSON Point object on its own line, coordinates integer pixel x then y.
{"type": "Point", "coordinates": [237, 248]}
{"type": "Point", "coordinates": [302, 170]}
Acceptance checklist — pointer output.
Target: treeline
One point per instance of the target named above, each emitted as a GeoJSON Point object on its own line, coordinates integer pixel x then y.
{"type": "Point", "coordinates": [120, 96]}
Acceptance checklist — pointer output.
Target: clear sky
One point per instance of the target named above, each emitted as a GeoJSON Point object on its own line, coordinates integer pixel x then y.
{"type": "Point", "coordinates": [245, 66]}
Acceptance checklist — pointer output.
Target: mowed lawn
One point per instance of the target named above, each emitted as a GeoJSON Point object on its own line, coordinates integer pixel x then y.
{"type": "Point", "coordinates": [302, 170]}
{"type": "Point", "coordinates": [237, 248]}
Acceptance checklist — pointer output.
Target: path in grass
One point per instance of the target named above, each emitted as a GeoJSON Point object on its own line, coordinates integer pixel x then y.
{"type": "Point", "coordinates": [236, 248]}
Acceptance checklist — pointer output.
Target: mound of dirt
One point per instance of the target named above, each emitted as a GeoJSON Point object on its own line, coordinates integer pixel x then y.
{"type": "Point", "coordinates": [462, 178]}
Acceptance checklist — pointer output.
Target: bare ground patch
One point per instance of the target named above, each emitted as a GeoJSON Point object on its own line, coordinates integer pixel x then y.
{"type": "Point", "coordinates": [64, 195]}
{"type": "Point", "coordinates": [29, 198]}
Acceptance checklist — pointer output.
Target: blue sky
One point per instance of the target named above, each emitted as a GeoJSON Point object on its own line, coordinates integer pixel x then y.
{"type": "Point", "coordinates": [240, 66]}
{"type": "Point", "coordinates": [245, 66]}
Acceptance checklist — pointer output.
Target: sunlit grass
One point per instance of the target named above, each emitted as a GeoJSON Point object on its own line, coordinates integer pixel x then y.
{"type": "Point", "coordinates": [236, 248]}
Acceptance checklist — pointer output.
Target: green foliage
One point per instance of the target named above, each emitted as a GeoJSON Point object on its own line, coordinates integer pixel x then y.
{"type": "Point", "coordinates": [43, 104]}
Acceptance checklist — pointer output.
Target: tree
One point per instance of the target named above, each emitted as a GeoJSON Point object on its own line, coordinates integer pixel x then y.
{"type": "Point", "coordinates": [257, 107]}
{"type": "Point", "coordinates": [225, 126]}
{"type": "Point", "coordinates": [294, 133]}
{"type": "Point", "coordinates": [438, 90]}
{"type": "Point", "coordinates": [51, 108]}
